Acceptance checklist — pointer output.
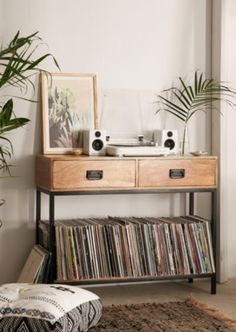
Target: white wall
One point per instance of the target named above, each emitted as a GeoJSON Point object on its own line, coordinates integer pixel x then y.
{"type": "Point", "coordinates": [1, 18]}
{"type": "Point", "coordinates": [136, 47]}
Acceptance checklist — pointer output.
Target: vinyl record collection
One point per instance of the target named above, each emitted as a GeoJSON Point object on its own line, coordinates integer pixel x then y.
{"type": "Point", "coordinates": [121, 247]}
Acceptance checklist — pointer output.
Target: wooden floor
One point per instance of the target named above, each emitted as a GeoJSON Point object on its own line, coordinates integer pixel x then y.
{"type": "Point", "coordinates": [224, 300]}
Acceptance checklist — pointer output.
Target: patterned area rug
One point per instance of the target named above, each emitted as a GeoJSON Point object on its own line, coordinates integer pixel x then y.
{"type": "Point", "coordinates": [185, 316]}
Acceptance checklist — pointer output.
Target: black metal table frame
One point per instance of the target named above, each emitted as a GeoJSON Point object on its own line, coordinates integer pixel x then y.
{"type": "Point", "coordinates": [191, 192]}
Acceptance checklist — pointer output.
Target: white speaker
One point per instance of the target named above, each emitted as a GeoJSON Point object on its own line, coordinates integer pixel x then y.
{"type": "Point", "coordinates": [167, 138]}
{"type": "Point", "coordinates": [94, 142]}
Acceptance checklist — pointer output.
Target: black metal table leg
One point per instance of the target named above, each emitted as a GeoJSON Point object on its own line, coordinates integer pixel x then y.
{"type": "Point", "coordinates": [213, 285]}
{"type": "Point", "coordinates": [191, 212]}
{"type": "Point", "coordinates": [191, 203]}
{"type": "Point", "coordinates": [214, 238]}
{"type": "Point", "coordinates": [38, 214]}
{"type": "Point", "coordinates": [51, 237]}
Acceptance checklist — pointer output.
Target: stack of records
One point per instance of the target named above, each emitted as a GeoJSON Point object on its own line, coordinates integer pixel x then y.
{"type": "Point", "coordinates": [121, 247]}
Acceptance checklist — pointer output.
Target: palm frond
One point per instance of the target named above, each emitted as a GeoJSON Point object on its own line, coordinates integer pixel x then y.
{"type": "Point", "coordinates": [18, 59]}
{"type": "Point", "coordinates": [18, 64]}
{"type": "Point", "coordinates": [185, 100]}
{"type": "Point", "coordinates": [189, 97]}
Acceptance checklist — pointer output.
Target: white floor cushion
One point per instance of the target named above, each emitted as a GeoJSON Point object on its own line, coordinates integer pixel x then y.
{"type": "Point", "coordinates": [43, 307]}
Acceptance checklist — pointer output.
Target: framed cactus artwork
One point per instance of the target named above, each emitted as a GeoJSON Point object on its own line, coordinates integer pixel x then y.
{"type": "Point", "coordinates": [69, 106]}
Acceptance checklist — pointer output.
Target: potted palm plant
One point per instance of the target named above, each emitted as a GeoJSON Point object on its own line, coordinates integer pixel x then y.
{"type": "Point", "coordinates": [18, 64]}
{"type": "Point", "coordinates": [186, 99]}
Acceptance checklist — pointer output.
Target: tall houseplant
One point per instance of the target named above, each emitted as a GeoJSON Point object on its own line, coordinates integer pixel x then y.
{"type": "Point", "coordinates": [186, 99]}
{"type": "Point", "coordinates": [18, 64]}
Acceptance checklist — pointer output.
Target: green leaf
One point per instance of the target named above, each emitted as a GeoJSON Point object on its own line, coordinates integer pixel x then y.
{"type": "Point", "coordinates": [9, 142]}
{"type": "Point", "coordinates": [173, 106]}
{"type": "Point", "coordinates": [195, 83]}
{"type": "Point", "coordinates": [200, 84]}
{"type": "Point", "coordinates": [182, 100]}
{"type": "Point", "coordinates": [6, 112]}
{"type": "Point", "coordinates": [185, 89]}
{"type": "Point", "coordinates": [178, 115]}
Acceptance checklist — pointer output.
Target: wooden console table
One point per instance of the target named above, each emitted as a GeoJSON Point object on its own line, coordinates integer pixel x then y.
{"type": "Point", "coordinates": [87, 175]}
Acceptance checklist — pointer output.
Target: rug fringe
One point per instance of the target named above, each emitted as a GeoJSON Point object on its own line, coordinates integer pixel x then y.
{"type": "Point", "coordinates": [216, 313]}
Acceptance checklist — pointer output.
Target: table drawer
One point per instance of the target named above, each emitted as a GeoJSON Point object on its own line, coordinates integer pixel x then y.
{"type": "Point", "coordinates": [69, 174]}
{"type": "Point", "coordinates": [177, 173]}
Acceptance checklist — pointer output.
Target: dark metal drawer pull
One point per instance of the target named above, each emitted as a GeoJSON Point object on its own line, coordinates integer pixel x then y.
{"type": "Point", "coordinates": [177, 173]}
{"type": "Point", "coordinates": [94, 175]}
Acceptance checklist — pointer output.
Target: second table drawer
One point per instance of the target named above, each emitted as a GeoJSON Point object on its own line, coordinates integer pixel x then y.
{"type": "Point", "coordinates": [176, 173]}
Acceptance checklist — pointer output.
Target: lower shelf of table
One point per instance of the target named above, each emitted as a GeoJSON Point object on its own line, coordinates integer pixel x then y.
{"type": "Point", "coordinates": [134, 279]}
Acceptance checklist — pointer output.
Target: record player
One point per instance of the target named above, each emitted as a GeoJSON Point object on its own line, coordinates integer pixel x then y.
{"type": "Point", "coordinates": [136, 151]}
{"type": "Point", "coordinates": [135, 148]}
